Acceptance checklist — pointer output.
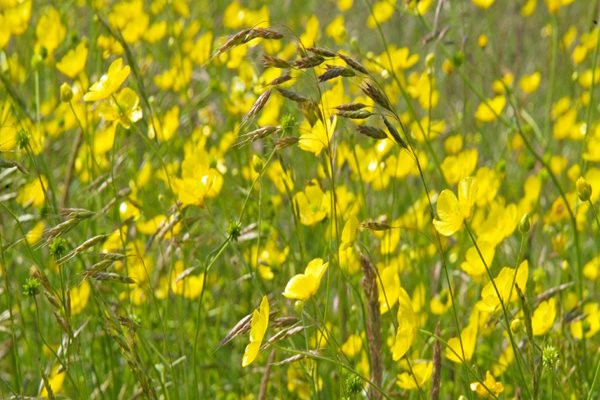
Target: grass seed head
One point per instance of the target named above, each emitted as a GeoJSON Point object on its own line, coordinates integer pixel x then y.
{"type": "Point", "coordinates": [376, 95]}
{"type": "Point", "coordinates": [371, 131]}
{"type": "Point", "coordinates": [334, 72]}
{"type": "Point", "coordinates": [354, 64]}
{"type": "Point", "coordinates": [309, 62]}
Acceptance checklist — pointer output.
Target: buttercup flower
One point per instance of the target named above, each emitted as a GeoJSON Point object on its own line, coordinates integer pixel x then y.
{"type": "Point", "coordinates": [109, 83]}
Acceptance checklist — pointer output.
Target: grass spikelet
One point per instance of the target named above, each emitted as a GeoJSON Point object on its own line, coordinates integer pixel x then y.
{"type": "Point", "coordinates": [48, 290]}
{"type": "Point", "coordinates": [284, 142]}
{"type": "Point", "coordinates": [246, 35]}
{"type": "Point", "coordinates": [112, 256]}
{"type": "Point", "coordinates": [371, 131]}
{"type": "Point", "coordinates": [334, 72]}
{"type": "Point", "coordinates": [259, 133]}
{"type": "Point", "coordinates": [284, 333]}
{"type": "Point", "coordinates": [82, 247]}
{"type": "Point", "coordinates": [113, 277]}
{"type": "Point", "coordinates": [350, 107]}
{"type": "Point", "coordinates": [263, 132]}
{"type": "Point", "coordinates": [289, 94]}
{"type": "Point", "coordinates": [233, 41]}
{"type": "Point", "coordinates": [376, 95]}
{"type": "Point", "coordinates": [292, 359]}
{"type": "Point", "coordinates": [395, 134]}
{"type": "Point", "coordinates": [258, 105]}
{"type": "Point", "coordinates": [358, 114]}
{"type": "Point", "coordinates": [100, 266]}
{"type": "Point", "coordinates": [61, 228]}
{"type": "Point", "coordinates": [275, 62]}
{"type": "Point", "coordinates": [319, 51]}
{"type": "Point", "coordinates": [185, 273]}
{"type": "Point", "coordinates": [279, 80]}
{"type": "Point", "coordinates": [264, 33]}
{"type": "Point", "coordinates": [239, 329]}
{"type": "Point", "coordinates": [354, 64]}
{"type": "Point", "coordinates": [79, 213]}
{"type": "Point", "coordinates": [309, 62]}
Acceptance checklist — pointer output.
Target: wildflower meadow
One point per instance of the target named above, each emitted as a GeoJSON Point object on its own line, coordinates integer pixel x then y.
{"type": "Point", "coordinates": [340, 199]}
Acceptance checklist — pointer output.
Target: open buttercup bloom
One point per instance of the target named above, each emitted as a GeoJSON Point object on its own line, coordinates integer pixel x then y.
{"type": "Point", "coordinates": [303, 286]}
{"type": "Point", "coordinates": [108, 83]}
{"type": "Point", "coordinates": [452, 211]}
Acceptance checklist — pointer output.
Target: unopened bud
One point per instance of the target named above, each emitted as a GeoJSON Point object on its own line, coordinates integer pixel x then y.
{"type": "Point", "coordinates": [525, 224]}
{"type": "Point", "coordinates": [584, 189]}
{"type": "Point", "coordinates": [66, 93]}
{"type": "Point", "coordinates": [515, 325]}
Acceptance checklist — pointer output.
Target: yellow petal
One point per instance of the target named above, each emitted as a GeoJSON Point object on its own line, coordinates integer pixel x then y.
{"type": "Point", "coordinates": [450, 218]}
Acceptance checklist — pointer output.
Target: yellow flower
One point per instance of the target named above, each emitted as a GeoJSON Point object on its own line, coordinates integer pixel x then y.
{"type": "Point", "coordinates": [473, 265]}
{"type": "Point", "coordinates": [589, 325]}
{"type": "Point", "coordinates": [468, 338]}
{"type": "Point", "coordinates": [258, 327]}
{"type": "Point", "coordinates": [543, 317]}
{"type": "Point", "coordinates": [50, 32]}
{"type": "Point", "coordinates": [318, 137]}
{"type": "Point", "coordinates": [198, 180]}
{"type": "Point", "coordinates": [382, 12]}
{"type": "Point", "coordinates": [190, 286]}
{"type": "Point", "coordinates": [483, 40]}
{"type": "Point", "coordinates": [129, 18]}
{"type": "Point", "coordinates": [388, 288]}
{"type": "Point", "coordinates": [591, 270]}
{"type": "Point", "coordinates": [528, 8]}
{"type": "Point", "coordinates": [504, 283]}
{"type": "Point", "coordinates": [530, 83]}
{"type": "Point", "coordinates": [109, 83]}
{"type": "Point", "coordinates": [352, 346]}
{"type": "Point", "coordinates": [35, 234]}
{"type": "Point", "coordinates": [418, 376]}
{"type": "Point", "coordinates": [555, 5]}
{"type": "Point", "coordinates": [79, 297]}
{"type": "Point", "coordinates": [33, 192]}
{"type": "Point", "coordinates": [313, 205]}
{"type": "Point", "coordinates": [490, 386]}
{"type": "Point", "coordinates": [349, 233]}
{"type": "Point", "coordinates": [485, 4]}
{"type": "Point", "coordinates": [490, 109]}
{"type": "Point", "coordinates": [303, 286]}
{"type": "Point", "coordinates": [55, 381]}
{"type": "Point", "coordinates": [344, 5]}
{"type": "Point", "coordinates": [73, 62]}
{"type": "Point", "coordinates": [8, 128]}
{"type": "Point", "coordinates": [14, 19]}
{"type": "Point", "coordinates": [459, 166]}
{"type": "Point", "coordinates": [337, 29]}
{"type": "Point", "coordinates": [407, 326]}
{"type": "Point", "coordinates": [124, 108]}
{"type": "Point", "coordinates": [452, 211]}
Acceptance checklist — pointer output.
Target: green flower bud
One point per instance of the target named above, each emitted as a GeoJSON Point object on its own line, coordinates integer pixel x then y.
{"type": "Point", "coordinates": [66, 93]}
{"type": "Point", "coordinates": [584, 189]}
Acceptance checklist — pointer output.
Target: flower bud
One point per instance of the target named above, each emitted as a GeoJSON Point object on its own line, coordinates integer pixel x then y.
{"type": "Point", "coordinates": [525, 224]}
{"type": "Point", "coordinates": [516, 325]}
{"type": "Point", "coordinates": [584, 189]}
{"type": "Point", "coordinates": [66, 93]}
